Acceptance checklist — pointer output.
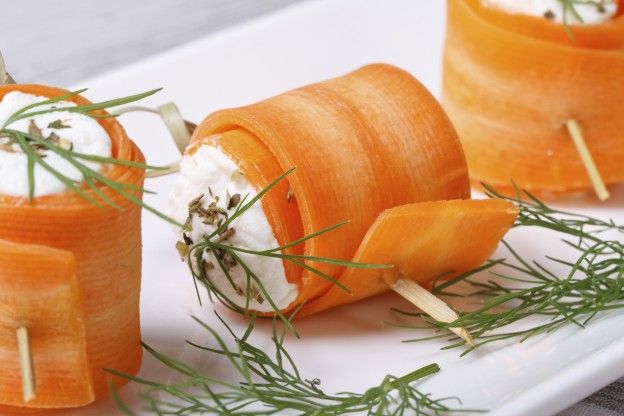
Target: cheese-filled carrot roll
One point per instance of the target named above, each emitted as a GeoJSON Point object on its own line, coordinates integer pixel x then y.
{"type": "Point", "coordinates": [533, 88]}
{"type": "Point", "coordinates": [360, 144]}
{"type": "Point", "coordinates": [69, 270]}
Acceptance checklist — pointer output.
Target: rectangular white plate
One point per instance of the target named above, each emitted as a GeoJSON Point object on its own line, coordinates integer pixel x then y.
{"type": "Point", "coordinates": [348, 348]}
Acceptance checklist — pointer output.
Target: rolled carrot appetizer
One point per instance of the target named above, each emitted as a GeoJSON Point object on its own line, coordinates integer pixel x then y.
{"type": "Point", "coordinates": [69, 270]}
{"type": "Point", "coordinates": [366, 150]}
{"type": "Point", "coordinates": [522, 80]}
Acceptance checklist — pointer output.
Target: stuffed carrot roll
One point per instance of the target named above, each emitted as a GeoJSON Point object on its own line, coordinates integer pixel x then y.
{"type": "Point", "coordinates": [518, 72]}
{"type": "Point", "coordinates": [355, 146]}
{"type": "Point", "coordinates": [69, 270]}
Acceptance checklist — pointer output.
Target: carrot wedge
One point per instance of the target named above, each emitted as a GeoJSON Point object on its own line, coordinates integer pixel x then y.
{"type": "Point", "coordinates": [423, 241]}
{"type": "Point", "coordinates": [39, 291]}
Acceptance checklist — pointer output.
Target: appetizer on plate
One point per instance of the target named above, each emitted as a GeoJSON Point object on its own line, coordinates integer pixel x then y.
{"type": "Point", "coordinates": [370, 172]}
{"type": "Point", "coordinates": [533, 88]}
{"type": "Point", "coordinates": [70, 250]}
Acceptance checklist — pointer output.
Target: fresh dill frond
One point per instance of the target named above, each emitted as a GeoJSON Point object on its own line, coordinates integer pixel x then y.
{"type": "Point", "coordinates": [269, 382]}
{"type": "Point", "coordinates": [591, 284]}
{"type": "Point", "coordinates": [228, 257]}
{"type": "Point", "coordinates": [32, 144]}
{"type": "Point", "coordinates": [569, 11]}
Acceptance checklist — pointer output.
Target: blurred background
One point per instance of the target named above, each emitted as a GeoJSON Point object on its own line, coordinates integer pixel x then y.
{"type": "Point", "coordinates": [77, 39]}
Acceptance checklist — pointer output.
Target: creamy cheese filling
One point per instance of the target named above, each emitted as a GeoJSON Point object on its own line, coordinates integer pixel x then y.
{"type": "Point", "coordinates": [211, 173]}
{"type": "Point", "coordinates": [591, 12]}
{"type": "Point", "coordinates": [79, 132]}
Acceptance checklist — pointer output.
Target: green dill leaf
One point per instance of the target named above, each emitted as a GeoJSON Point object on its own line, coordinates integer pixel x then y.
{"type": "Point", "coordinates": [31, 179]}
{"type": "Point", "coordinates": [568, 8]}
{"type": "Point", "coordinates": [520, 288]}
{"type": "Point", "coordinates": [117, 399]}
{"type": "Point", "coordinates": [82, 109]}
{"type": "Point", "coordinates": [19, 114]}
{"type": "Point", "coordinates": [33, 142]}
{"type": "Point", "coordinates": [269, 382]}
{"type": "Point", "coordinates": [215, 243]}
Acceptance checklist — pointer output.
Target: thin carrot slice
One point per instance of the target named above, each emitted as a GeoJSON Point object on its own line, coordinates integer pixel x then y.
{"type": "Point", "coordinates": [106, 244]}
{"type": "Point", "coordinates": [423, 241]}
{"type": "Point", "coordinates": [511, 82]}
{"type": "Point", "coordinates": [39, 291]}
{"type": "Point", "coordinates": [361, 143]}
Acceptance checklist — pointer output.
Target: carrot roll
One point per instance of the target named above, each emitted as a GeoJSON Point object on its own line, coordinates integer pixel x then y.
{"type": "Point", "coordinates": [516, 72]}
{"type": "Point", "coordinates": [69, 270]}
{"type": "Point", "coordinates": [361, 144]}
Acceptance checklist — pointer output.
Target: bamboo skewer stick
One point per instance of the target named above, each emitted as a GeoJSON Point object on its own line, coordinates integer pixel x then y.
{"type": "Point", "coordinates": [5, 77]}
{"type": "Point", "coordinates": [179, 129]}
{"type": "Point", "coordinates": [26, 364]}
{"type": "Point", "coordinates": [3, 74]}
{"type": "Point", "coordinates": [172, 168]}
{"type": "Point", "coordinates": [430, 304]}
{"type": "Point", "coordinates": [576, 134]}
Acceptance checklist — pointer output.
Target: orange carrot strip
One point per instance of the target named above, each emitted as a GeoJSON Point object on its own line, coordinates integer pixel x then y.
{"type": "Point", "coordinates": [370, 140]}
{"type": "Point", "coordinates": [511, 82]}
{"type": "Point", "coordinates": [39, 291]}
{"type": "Point", "coordinates": [424, 241]}
{"type": "Point", "coordinates": [106, 244]}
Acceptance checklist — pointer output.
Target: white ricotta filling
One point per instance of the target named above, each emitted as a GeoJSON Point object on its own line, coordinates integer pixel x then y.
{"type": "Point", "coordinates": [590, 13]}
{"type": "Point", "coordinates": [83, 133]}
{"type": "Point", "coordinates": [207, 171]}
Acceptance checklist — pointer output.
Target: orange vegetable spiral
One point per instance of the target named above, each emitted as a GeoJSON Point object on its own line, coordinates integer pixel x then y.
{"type": "Point", "coordinates": [512, 81]}
{"type": "Point", "coordinates": [363, 144]}
{"type": "Point", "coordinates": [70, 273]}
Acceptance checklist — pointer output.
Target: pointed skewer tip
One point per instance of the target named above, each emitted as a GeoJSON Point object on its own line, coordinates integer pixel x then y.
{"type": "Point", "coordinates": [430, 304]}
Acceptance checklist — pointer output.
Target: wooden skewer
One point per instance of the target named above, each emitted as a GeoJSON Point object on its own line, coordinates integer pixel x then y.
{"type": "Point", "coordinates": [173, 168]}
{"type": "Point", "coordinates": [575, 132]}
{"type": "Point", "coordinates": [180, 130]}
{"type": "Point", "coordinates": [5, 77]}
{"type": "Point", "coordinates": [3, 73]}
{"type": "Point", "coordinates": [430, 304]}
{"type": "Point", "coordinates": [26, 364]}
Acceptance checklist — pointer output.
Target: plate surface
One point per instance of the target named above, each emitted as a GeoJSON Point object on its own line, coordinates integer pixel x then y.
{"type": "Point", "coordinates": [348, 348]}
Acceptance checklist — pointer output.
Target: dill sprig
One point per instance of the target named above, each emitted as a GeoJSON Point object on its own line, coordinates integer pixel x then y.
{"type": "Point", "coordinates": [590, 285]}
{"type": "Point", "coordinates": [568, 8]}
{"type": "Point", "coordinates": [90, 189]}
{"type": "Point", "coordinates": [228, 256]}
{"type": "Point", "coordinates": [269, 385]}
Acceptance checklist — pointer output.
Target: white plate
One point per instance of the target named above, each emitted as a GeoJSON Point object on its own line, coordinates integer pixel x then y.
{"type": "Point", "coordinates": [348, 348]}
